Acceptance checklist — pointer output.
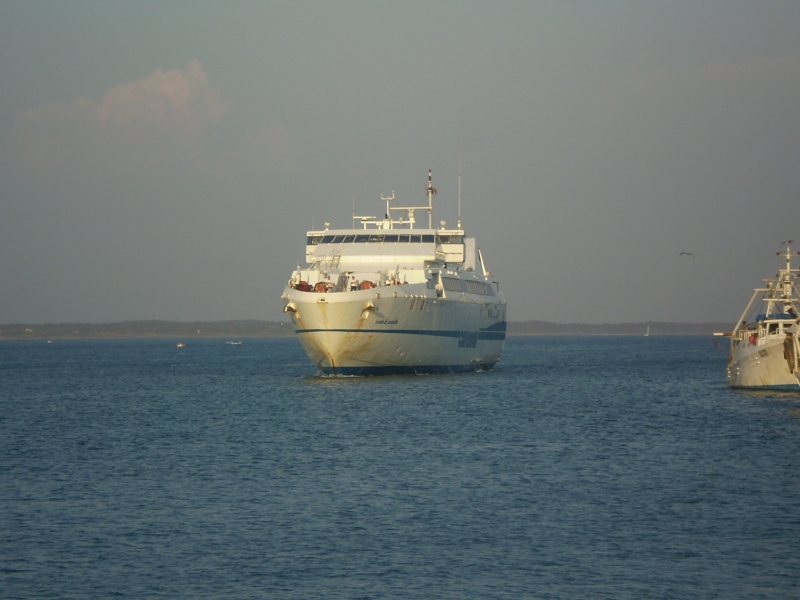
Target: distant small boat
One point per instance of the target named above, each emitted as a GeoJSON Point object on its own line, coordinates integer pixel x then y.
{"type": "Point", "coordinates": [180, 345]}
{"type": "Point", "coordinates": [234, 343]}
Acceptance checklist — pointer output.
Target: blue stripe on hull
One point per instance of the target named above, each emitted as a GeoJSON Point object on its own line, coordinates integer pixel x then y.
{"type": "Point", "coordinates": [790, 387]}
{"type": "Point", "coordinates": [407, 370]}
{"type": "Point", "coordinates": [482, 334]}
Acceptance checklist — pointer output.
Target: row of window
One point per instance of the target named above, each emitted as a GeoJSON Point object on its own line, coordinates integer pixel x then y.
{"type": "Point", "coordinates": [452, 284]}
{"type": "Point", "coordinates": [422, 302]}
{"type": "Point", "coordinates": [362, 238]}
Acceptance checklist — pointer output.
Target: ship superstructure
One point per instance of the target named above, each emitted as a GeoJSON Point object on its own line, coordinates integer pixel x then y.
{"type": "Point", "coordinates": [389, 297]}
{"type": "Point", "coordinates": [764, 345]}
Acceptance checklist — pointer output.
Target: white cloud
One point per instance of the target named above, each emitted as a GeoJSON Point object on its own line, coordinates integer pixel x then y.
{"type": "Point", "coordinates": [180, 99]}
{"type": "Point", "coordinates": [165, 119]}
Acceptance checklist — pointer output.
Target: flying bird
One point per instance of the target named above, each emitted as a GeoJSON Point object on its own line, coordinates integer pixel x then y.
{"type": "Point", "coordinates": [687, 254]}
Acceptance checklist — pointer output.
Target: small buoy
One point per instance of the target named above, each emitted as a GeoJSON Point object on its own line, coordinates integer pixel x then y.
{"type": "Point", "coordinates": [752, 339]}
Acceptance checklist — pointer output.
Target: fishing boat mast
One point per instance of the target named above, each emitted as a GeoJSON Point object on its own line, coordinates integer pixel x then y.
{"type": "Point", "coordinates": [781, 289]}
{"type": "Point", "coordinates": [431, 191]}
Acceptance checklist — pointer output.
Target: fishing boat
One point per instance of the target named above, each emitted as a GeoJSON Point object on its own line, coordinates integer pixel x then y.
{"type": "Point", "coordinates": [764, 345]}
{"type": "Point", "coordinates": [388, 297]}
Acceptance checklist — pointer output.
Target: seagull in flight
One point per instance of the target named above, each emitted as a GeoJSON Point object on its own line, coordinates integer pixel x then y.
{"type": "Point", "coordinates": [687, 254]}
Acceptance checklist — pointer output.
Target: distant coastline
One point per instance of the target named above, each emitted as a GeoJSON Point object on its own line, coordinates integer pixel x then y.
{"type": "Point", "coordinates": [254, 328]}
{"type": "Point", "coordinates": [146, 329]}
{"type": "Point", "coordinates": [655, 328]}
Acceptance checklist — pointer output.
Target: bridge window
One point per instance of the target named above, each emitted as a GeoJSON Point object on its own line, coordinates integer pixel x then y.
{"type": "Point", "coordinates": [478, 287]}
{"type": "Point", "coordinates": [313, 240]}
{"type": "Point", "coordinates": [451, 239]}
{"type": "Point", "coordinates": [451, 284]}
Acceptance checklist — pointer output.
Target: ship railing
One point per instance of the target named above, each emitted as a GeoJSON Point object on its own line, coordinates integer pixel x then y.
{"type": "Point", "coordinates": [748, 332]}
{"type": "Point", "coordinates": [761, 330]}
{"type": "Point", "coordinates": [323, 262]}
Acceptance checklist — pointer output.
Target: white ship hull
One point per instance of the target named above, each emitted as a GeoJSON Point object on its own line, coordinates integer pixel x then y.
{"type": "Point", "coordinates": [392, 298]}
{"type": "Point", "coordinates": [765, 365]}
{"type": "Point", "coordinates": [397, 330]}
{"type": "Point", "coordinates": [764, 345]}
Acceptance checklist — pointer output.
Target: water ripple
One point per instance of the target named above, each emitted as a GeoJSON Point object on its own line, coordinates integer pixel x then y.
{"type": "Point", "coordinates": [609, 467]}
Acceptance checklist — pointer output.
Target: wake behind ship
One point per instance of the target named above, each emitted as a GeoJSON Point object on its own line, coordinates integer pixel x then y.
{"type": "Point", "coordinates": [391, 298]}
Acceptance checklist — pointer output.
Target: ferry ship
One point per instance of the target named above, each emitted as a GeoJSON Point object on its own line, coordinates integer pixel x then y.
{"type": "Point", "coordinates": [389, 297]}
{"type": "Point", "coordinates": [764, 345]}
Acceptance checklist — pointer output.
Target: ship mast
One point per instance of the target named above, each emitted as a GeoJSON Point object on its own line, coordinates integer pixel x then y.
{"type": "Point", "coordinates": [459, 188]}
{"type": "Point", "coordinates": [778, 290]}
{"type": "Point", "coordinates": [786, 276]}
{"type": "Point", "coordinates": [431, 191]}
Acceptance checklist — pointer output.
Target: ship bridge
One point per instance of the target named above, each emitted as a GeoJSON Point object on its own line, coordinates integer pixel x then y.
{"type": "Point", "coordinates": [350, 249]}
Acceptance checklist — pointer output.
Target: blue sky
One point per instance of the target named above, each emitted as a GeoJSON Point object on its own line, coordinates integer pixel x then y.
{"type": "Point", "coordinates": [163, 160]}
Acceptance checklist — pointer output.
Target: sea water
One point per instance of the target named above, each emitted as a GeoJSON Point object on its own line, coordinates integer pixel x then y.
{"type": "Point", "coordinates": [599, 467]}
